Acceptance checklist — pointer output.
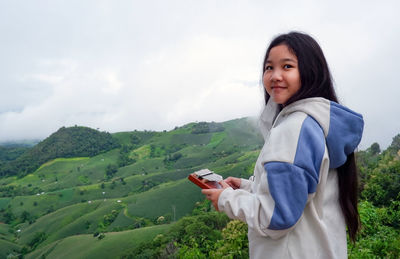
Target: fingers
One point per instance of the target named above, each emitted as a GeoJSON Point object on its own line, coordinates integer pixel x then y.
{"type": "Point", "coordinates": [233, 182]}
{"type": "Point", "coordinates": [209, 193]}
{"type": "Point", "coordinates": [206, 191]}
{"type": "Point", "coordinates": [213, 195]}
{"type": "Point", "coordinates": [224, 184]}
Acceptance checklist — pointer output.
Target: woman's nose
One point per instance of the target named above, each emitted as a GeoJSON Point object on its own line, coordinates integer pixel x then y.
{"type": "Point", "coordinates": [276, 75]}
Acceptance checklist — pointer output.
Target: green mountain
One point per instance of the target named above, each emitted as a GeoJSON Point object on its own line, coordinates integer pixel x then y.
{"type": "Point", "coordinates": [10, 153]}
{"type": "Point", "coordinates": [126, 195]}
{"type": "Point", "coordinates": [66, 142]}
{"type": "Point", "coordinates": [82, 182]}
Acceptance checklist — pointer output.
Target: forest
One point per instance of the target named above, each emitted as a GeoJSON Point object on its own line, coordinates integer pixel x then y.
{"type": "Point", "coordinates": [66, 142]}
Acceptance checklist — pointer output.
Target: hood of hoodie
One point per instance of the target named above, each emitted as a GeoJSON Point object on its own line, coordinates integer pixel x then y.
{"type": "Point", "coordinates": [342, 127]}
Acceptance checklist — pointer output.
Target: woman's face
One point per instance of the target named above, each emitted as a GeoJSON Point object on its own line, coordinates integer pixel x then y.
{"type": "Point", "coordinates": [281, 77]}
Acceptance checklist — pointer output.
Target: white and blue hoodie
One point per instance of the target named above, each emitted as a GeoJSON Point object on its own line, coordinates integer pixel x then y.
{"type": "Point", "coordinates": [291, 203]}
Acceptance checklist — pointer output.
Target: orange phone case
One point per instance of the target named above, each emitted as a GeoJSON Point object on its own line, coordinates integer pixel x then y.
{"type": "Point", "coordinates": [203, 183]}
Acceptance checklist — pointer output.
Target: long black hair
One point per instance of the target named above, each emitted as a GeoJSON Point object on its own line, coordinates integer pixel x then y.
{"type": "Point", "coordinates": [316, 81]}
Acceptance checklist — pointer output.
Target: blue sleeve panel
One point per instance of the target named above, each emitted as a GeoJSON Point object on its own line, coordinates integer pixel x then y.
{"type": "Point", "coordinates": [344, 135]}
{"type": "Point", "coordinates": [290, 184]}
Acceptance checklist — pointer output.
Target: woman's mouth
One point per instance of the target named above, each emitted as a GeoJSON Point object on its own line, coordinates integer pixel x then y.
{"type": "Point", "coordinates": [278, 88]}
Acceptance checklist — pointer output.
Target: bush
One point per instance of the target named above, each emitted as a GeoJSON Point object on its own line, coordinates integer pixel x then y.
{"type": "Point", "coordinates": [38, 238]}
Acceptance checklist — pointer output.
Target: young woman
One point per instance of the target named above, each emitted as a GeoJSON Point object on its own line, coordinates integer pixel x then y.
{"type": "Point", "coordinates": [303, 192]}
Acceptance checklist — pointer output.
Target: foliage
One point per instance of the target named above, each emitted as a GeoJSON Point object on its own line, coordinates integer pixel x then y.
{"type": "Point", "coordinates": [107, 220]}
{"type": "Point", "coordinates": [9, 153]}
{"type": "Point", "coordinates": [383, 185]}
{"type": "Point", "coordinates": [37, 239]}
{"type": "Point", "coordinates": [190, 237]}
{"type": "Point", "coordinates": [66, 142]}
{"type": "Point", "coordinates": [111, 170]}
{"type": "Point", "coordinates": [394, 147]}
{"type": "Point", "coordinates": [169, 160]}
{"type": "Point", "coordinates": [87, 246]}
{"type": "Point", "coordinates": [380, 178]}
{"type": "Point", "coordinates": [72, 194]}
{"type": "Point", "coordinates": [205, 127]}
{"type": "Point", "coordinates": [205, 234]}
{"type": "Point", "coordinates": [234, 243]}
{"type": "Point", "coordinates": [8, 216]}
{"type": "Point", "coordinates": [380, 217]}
{"type": "Point", "coordinates": [124, 158]}
{"type": "Point", "coordinates": [380, 203]}
{"type": "Point", "coordinates": [141, 184]}
{"type": "Point", "coordinates": [377, 238]}
{"type": "Point", "coordinates": [375, 149]}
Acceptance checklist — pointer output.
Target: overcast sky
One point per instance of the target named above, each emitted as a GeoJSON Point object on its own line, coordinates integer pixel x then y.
{"type": "Point", "coordinates": [125, 65]}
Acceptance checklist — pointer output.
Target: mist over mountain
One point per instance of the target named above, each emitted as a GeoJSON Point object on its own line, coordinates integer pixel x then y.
{"type": "Point", "coordinates": [66, 142]}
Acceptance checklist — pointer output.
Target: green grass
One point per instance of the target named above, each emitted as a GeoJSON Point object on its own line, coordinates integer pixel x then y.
{"type": "Point", "coordinates": [70, 197]}
{"type": "Point", "coordinates": [48, 173]}
{"type": "Point", "coordinates": [41, 204]}
{"type": "Point", "coordinates": [76, 219]}
{"type": "Point", "coordinates": [216, 139]}
{"type": "Point", "coordinates": [191, 139]}
{"type": "Point", "coordinates": [142, 167]}
{"type": "Point", "coordinates": [123, 137]}
{"type": "Point", "coordinates": [4, 202]}
{"type": "Point", "coordinates": [78, 226]}
{"type": "Point", "coordinates": [7, 247]}
{"type": "Point", "coordinates": [4, 229]}
{"type": "Point", "coordinates": [62, 160]}
{"type": "Point", "coordinates": [56, 221]}
{"type": "Point", "coordinates": [36, 205]}
{"type": "Point", "coordinates": [175, 198]}
{"type": "Point", "coordinates": [113, 245]}
{"type": "Point", "coordinates": [6, 234]}
{"type": "Point", "coordinates": [7, 180]}
{"type": "Point", "coordinates": [141, 153]}
{"type": "Point", "coordinates": [123, 220]}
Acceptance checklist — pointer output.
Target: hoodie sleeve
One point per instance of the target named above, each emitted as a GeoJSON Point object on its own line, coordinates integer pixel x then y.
{"type": "Point", "coordinates": [245, 184]}
{"type": "Point", "coordinates": [290, 168]}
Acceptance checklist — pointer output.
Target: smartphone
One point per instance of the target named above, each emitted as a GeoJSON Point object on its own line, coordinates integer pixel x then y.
{"type": "Point", "coordinates": [206, 179]}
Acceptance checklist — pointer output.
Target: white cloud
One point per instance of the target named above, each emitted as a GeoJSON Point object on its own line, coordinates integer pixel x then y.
{"type": "Point", "coordinates": [121, 66]}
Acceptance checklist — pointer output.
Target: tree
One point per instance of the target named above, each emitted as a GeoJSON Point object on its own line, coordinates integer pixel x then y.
{"type": "Point", "coordinates": [395, 146]}
{"type": "Point", "coordinates": [25, 216]}
{"type": "Point", "coordinates": [234, 242]}
{"type": "Point", "coordinates": [38, 238]}
{"type": "Point", "coordinates": [111, 170]}
{"type": "Point", "coordinates": [135, 139]}
{"type": "Point", "coordinates": [8, 216]}
{"type": "Point", "coordinates": [66, 142]}
{"type": "Point", "coordinates": [375, 149]}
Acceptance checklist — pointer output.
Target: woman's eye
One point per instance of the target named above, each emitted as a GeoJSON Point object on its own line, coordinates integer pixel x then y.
{"type": "Point", "coordinates": [268, 68]}
{"type": "Point", "coordinates": [287, 66]}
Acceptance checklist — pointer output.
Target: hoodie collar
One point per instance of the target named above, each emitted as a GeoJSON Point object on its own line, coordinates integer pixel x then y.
{"type": "Point", "coordinates": [267, 117]}
{"type": "Point", "coordinates": [342, 127]}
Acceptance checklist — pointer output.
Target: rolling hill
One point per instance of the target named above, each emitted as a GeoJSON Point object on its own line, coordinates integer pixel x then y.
{"type": "Point", "coordinates": [66, 142]}
{"type": "Point", "coordinates": [86, 182]}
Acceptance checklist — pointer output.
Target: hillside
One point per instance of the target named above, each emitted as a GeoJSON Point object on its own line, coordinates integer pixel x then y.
{"type": "Point", "coordinates": [66, 142]}
{"type": "Point", "coordinates": [134, 200]}
{"type": "Point", "coordinates": [139, 183]}
{"type": "Point", "coordinates": [10, 153]}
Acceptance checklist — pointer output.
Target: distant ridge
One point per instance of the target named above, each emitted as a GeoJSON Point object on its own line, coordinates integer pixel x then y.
{"type": "Point", "coordinates": [19, 143]}
{"type": "Point", "coordinates": [74, 141]}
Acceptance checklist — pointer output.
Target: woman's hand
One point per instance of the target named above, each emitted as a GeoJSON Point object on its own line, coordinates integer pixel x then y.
{"type": "Point", "coordinates": [213, 194]}
{"type": "Point", "coordinates": [233, 182]}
